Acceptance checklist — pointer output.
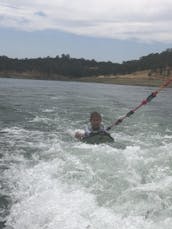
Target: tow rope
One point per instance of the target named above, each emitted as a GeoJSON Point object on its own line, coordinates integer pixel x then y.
{"type": "Point", "coordinates": [144, 102]}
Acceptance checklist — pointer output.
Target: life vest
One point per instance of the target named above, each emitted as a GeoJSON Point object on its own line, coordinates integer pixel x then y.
{"type": "Point", "coordinates": [89, 130]}
{"type": "Point", "coordinates": [97, 136]}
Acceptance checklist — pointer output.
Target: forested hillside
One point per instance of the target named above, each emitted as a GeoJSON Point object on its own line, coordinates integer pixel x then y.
{"type": "Point", "coordinates": [68, 67]}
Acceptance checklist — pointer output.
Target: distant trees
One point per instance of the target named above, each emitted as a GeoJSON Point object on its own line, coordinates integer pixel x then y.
{"type": "Point", "coordinates": [65, 66]}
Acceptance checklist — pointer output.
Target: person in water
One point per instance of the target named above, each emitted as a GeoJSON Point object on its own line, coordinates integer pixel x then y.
{"type": "Point", "coordinates": [95, 126]}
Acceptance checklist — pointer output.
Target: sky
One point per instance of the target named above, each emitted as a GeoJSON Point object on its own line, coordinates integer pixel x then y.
{"type": "Point", "coordinates": [104, 30]}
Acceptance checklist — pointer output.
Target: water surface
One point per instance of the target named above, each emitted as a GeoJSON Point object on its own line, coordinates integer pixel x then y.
{"type": "Point", "coordinates": [50, 180]}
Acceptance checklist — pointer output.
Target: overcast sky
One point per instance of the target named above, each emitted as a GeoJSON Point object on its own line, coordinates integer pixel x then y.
{"type": "Point", "coordinates": [93, 29]}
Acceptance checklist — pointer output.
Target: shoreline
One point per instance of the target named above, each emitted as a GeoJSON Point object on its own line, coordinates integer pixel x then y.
{"type": "Point", "coordinates": [131, 82]}
{"type": "Point", "coordinates": [135, 79]}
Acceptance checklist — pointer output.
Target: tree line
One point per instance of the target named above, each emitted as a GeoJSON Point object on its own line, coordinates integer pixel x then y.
{"type": "Point", "coordinates": [65, 66]}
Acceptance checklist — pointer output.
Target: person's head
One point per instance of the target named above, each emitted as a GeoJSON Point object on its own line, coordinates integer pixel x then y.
{"type": "Point", "coordinates": [95, 120]}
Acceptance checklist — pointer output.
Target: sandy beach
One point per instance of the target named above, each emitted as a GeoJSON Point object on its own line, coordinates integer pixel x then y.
{"type": "Point", "coordinates": [138, 78]}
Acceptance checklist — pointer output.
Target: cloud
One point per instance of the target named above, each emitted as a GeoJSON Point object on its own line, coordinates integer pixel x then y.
{"type": "Point", "coordinates": [146, 20]}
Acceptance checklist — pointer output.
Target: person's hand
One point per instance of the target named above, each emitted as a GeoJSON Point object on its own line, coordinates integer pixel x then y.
{"type": "Point", "coordinates": [78, 135]}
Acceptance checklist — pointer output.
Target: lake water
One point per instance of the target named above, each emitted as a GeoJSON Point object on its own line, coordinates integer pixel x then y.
{"type": "Point", "coordinates": [50, 180]}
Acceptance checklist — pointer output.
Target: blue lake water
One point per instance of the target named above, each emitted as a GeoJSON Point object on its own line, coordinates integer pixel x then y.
{"type": "Point", "coordinates": [50, 180]}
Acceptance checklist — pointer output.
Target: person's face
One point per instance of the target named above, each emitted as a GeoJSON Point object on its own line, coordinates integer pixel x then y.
{"type": "Point", "coordinates": [95, 122]}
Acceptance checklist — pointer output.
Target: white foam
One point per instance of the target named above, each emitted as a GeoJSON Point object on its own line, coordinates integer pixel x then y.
{"type": "Point", "coordinates": [44, 202]}
{"type": "Point", "coordinates": [14, 130]}
{"type": "Point", "coordinates": [48, 110]}
{"type": "Point", "coordinates": [69, 183]}
{"type": "Point", "coordinates": [41, 119]}
{"type": "Point", "coordinates": [43, 198]}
